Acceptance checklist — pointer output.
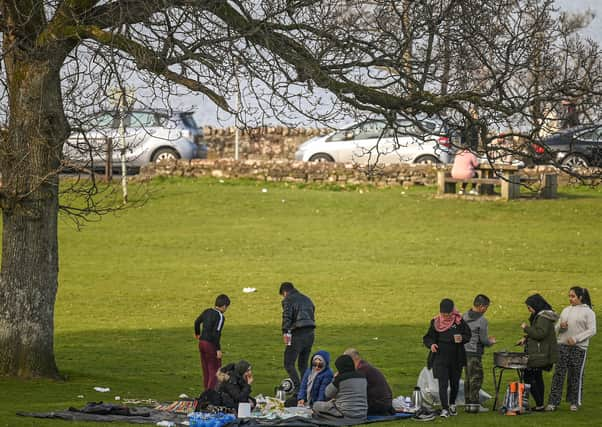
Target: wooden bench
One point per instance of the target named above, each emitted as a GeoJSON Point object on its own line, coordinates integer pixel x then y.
{"type": "Point", "coordinates": [510, 184]}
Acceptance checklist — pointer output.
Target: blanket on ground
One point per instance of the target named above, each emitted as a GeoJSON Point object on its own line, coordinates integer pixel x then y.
{"type": "Point", "coordinates": [146, 416]}
{"type": "Point", "coordinates": [153, 416]}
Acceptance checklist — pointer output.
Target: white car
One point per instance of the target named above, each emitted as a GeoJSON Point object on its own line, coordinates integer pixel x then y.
{"type": "Point", "coordinates": [150, 136]}
{"type": "Point", "coordinates": [372, 142]}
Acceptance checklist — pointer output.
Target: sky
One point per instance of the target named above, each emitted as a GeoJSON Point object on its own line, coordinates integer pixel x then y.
{"type": "Point", "coordinates": [207, 114]}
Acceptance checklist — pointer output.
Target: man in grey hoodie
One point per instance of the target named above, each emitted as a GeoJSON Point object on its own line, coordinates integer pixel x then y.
{"type": "Point", "coordinates": [474, 351]}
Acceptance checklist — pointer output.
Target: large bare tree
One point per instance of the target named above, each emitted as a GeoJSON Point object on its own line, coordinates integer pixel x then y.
{"type": "Point", "coordinates": [504, 59]}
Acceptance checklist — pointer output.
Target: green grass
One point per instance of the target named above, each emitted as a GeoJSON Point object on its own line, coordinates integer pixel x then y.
{"type": "Point", "coordinates": [375, 262]}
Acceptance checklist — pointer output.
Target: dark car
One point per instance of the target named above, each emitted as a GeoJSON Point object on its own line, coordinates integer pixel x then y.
{"type": "Point", "coordinates": [572, 148]}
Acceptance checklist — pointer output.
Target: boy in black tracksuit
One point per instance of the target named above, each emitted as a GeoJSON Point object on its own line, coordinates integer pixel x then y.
{"type": "Point", "coordinates": [209, 339]}
{"type": "Point", "coordinates": [446, 337]}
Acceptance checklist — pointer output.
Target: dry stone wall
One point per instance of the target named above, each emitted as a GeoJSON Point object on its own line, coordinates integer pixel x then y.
{"type": "Point", "coordinates": [282, 170]}
{"type": "Point", "coordinates": [258, 143]}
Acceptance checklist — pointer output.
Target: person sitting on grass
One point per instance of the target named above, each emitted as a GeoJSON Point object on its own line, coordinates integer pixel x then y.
{"type": "Point", "coordinates": [315, 380]}
{"type": "Point", "coordinates": [236, 385]}
{"type": "Point", "coordinates": [347, 393]}
{"type": "Point", "coordinates": [380, 395]}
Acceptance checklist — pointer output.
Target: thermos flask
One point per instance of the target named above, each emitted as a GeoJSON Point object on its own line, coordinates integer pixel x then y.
{"type": "Point", "coordinates": [417, 398]}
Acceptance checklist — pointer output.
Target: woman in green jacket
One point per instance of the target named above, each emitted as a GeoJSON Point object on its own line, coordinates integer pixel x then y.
{"type": "Point", "coordinates": [540, 345]}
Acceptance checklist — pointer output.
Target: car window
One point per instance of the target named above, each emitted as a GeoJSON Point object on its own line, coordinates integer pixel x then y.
{"type": "Point", "coordinates": [140, 119]}
{"type": "Point", "coordinates": [339, 136]}
{"type": "Point", "coordinates": [369, 130]}
{"type": "Point", "coordinates": [103, 121]}
{"type": "Point", "coordinates": [591, 135]}
{"type": "Point", "coordinates": [409, 128]}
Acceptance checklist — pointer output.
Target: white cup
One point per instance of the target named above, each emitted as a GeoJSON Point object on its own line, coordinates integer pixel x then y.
{"type": "Point", "coordinates": [244, 410]}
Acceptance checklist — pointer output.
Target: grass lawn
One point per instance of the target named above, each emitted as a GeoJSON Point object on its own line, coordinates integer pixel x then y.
{"type": "Point", "coordinates": [375, 262]}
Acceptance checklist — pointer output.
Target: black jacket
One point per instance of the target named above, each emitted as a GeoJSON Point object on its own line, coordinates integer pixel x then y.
{"type": "Point", "coordinates": [235, 389]}
{"type": "Point", "coordinates": [297, 312]}
{"type": "Point", "coordinates": [213, 323]}
{"type": "Point", "coordinates": [449, 353]}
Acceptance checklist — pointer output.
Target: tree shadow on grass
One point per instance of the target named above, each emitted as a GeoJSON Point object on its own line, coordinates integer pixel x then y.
{"type": "Point", "coordinates": [162, 364]}
{"type": "Point", "coordinates": [165, 362]}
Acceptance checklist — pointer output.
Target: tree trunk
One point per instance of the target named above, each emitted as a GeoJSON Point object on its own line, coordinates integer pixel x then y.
{"type": "Point", "coordinates": [29, 159]}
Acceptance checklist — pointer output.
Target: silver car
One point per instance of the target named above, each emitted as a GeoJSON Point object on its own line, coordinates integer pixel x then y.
{"type": "Point", "coordinates": [150, 136]}
{"type": "Point", "coordinates": [372, 142]}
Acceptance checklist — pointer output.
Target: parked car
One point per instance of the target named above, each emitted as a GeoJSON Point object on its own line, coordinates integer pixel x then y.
{"type": "Point", "coordinates": [573, 148]}
{"type": "Point", "coordinates": [150, 136]}
{"type": "Point", "coordinates": [373, 142]}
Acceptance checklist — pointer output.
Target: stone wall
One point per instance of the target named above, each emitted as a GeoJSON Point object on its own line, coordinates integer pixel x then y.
{"type": "Point", "coordinates": [321, 173]}
{"type": "Point", "coordinates": [258, 143]}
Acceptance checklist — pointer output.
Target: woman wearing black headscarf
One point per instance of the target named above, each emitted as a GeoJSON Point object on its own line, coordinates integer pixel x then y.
{"type": "Point", "coordinates": [237, 386]}
{"type": "Point", "coordinates": [540, 345]}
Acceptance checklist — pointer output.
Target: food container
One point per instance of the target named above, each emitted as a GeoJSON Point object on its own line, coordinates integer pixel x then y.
{"type": "Point", "coordinates": [505, 359]}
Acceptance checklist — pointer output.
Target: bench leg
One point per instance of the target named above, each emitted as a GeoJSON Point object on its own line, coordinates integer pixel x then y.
{"type": "Point", "coordinates": [510, 187]}
{"type": "Point", "coordinates": [442, 186]}
{"type": "Point", "coordinates": [440, 182]}
{"type": "Point", "coordinates": [549, 188]}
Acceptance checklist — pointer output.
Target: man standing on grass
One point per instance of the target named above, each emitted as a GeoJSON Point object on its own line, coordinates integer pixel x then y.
{"type": "Point", "coordinates": [475, 318]}
{"type": "Point", "coordinates": [298, 326]}
{"type": "Point", "coordinates": [209, 346]}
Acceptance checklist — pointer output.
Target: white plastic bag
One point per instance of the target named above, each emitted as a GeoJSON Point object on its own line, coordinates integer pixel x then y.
{"type": "Point", "coordinates": [429, 387]}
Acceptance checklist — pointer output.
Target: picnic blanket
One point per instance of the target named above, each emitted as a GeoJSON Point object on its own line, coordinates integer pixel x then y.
{"type": "Point", "coordinates": [152, 416]}
{"type": "Point", "coordinates": [311, 422]}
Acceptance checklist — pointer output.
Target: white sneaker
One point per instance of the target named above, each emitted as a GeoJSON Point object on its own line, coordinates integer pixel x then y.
{"type": "Point", "coordinates": [452, 410]}
{"type": "Point", "coordinates": [550, 408]}
{"type": "Point", "coordinates": [574, 408]}
{"type": "Point", "coordinates": [473, 192]}
{"type": "Point", "coordinates": [444, 413]}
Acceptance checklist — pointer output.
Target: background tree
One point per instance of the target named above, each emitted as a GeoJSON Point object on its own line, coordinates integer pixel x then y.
{"type": "Point", "coordinates": [387, 58]}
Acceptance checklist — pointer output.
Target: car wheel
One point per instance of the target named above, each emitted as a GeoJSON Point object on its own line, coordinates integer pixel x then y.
{"type": "Point", "coordinates": [427, 160]}
{"type": "Point", "coordinates": [165, 154]}
{"type": "Point", "coordinates": [321, 157]}
{"type": "Point", "coordinates": [575, 161]}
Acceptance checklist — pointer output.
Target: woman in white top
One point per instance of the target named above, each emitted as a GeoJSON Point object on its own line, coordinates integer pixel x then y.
{"type": "Point", "coordinates": [577, 324]}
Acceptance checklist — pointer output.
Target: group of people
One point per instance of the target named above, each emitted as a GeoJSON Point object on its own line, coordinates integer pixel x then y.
{"type": "Point", "coordinates": [356, 390]}
{"type": "Point", "coordinates": [456, 342]}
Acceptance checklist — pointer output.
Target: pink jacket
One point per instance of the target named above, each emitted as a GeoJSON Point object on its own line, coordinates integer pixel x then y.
{"type": "Point", "coordinates": [464, 166]}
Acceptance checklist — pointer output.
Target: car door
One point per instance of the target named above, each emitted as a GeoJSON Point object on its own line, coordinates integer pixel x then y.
{"type": "Point", "coordinates": [596, 148]}
{"type": "Point", "coordinates": [588, 144]}
{"type": "Point", "coordinates": [371, 144]}
{"type": "Point", "coordinates": [404, 142]}
{"type": "Point", "coordinates": [87, 145]}
{"type": "Point", "coordinates": [138, 125]}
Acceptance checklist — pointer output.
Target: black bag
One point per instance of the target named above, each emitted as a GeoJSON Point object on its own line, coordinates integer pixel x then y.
{"type": "Point", "coordinates": [209, 397]}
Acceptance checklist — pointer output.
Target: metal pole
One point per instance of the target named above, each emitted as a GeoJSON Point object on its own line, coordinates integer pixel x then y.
{"type": "Point", "coordinates": [124, 183]}
{"type": "Point", "coordinates": [237, 130]}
